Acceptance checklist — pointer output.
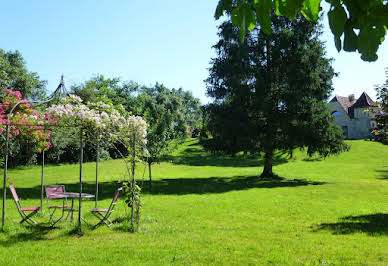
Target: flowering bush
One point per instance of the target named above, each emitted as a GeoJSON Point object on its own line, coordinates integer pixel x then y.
{"type": "Point", "coordinates": [99, 118]}
{"type": "Point", "coordinates": [25, 122]}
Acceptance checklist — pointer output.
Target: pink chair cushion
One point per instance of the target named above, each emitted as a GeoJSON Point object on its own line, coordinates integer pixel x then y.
{"type": "Point", "coordinates": [54, 189]}
{"type": "Point", "coordinates": [30, 209]}
{"type": "Point", "coordinates": [99, 210]}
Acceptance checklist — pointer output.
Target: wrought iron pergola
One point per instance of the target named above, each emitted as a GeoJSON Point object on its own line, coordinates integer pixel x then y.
{"type": "Point", "coordinates": [61, 92]}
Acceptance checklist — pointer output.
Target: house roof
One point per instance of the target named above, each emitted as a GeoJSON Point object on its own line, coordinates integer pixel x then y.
{"type": "Point", "coordinates": [364, 101]}
{"type": "Point", "coordinates": [344, 102]}
{"type": "Point", "coordinates": [349, 104]}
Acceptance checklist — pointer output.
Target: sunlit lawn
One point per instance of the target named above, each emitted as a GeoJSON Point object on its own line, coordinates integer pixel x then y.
{"type": "Point", "coordinates": [207, 209]}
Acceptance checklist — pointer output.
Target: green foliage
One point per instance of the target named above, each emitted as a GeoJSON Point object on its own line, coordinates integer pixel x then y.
{"type": "Point", "coordinates": [382, 118]}
{"type": "Point", "coordinates": [99, 88]}
{"type": "Point", "coordinates": [263, 9]}
{"type": "Point", "coordinates": [270, 92]}
{"type": "Point", "coordinates": [166, 124]}
{"type": "Point", "coordinates": [170, 113]}
{"type": "Point", "coordinates": [368, 17]}
{"type": "Point", "coordinates": [132, 195]}
{"type": "Point", "coordinates": [14, 75]}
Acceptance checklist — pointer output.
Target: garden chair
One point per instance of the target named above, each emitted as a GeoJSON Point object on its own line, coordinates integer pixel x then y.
{"type": "Point", "coordinates": [52, 190]}
{"type": "Point", "coordinates": [26, 217]}
{"type": "Point", "coordinates": [103, 214]}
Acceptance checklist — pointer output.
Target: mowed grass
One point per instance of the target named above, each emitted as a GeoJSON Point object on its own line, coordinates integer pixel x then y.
{"type": "Point", "coordinates": [206, 209]}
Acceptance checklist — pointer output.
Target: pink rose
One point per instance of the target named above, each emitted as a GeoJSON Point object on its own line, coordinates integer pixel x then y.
{"type": "Point", "coordinates": [48, 145]}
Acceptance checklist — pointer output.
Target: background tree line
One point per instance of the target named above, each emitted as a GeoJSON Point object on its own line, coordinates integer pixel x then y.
{"type": "Point", "coordinates": [171, 114]}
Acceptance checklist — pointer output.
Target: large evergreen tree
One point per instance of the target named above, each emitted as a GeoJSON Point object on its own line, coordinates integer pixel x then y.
{"type": "Point", "coordinates": [270, 91]}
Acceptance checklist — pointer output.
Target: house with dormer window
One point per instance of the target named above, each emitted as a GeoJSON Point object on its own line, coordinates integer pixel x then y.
{"type": "Point", "coordinates": [356, 117]}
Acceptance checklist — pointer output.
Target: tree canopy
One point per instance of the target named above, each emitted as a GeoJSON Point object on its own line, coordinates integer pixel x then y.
{"type": "Point", "coordinates": [14, 75]}
{"type": "Point", "coordinates": [357, 25]}
{"type": "Point", "coordinates": [270, 91]}
{"type": "Point", "coordinates": [382, 117]}
{"type": "Point", "coordinates": [162, 109]}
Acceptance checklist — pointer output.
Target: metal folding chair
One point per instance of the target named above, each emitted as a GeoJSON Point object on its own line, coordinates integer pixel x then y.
{"type": "Point", "coordinates": [103, 214]}
{"type": "Point", "coordinates": [52, 190]}
{"type": "Point", "coordinates": [26, 217]}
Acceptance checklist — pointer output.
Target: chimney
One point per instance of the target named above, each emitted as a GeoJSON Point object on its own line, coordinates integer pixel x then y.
{"type": "Point", "coordinates": [351, 98]}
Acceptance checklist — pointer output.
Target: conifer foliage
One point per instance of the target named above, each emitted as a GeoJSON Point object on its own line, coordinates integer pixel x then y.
{"type": "Point", "coordinates": [270, 92]}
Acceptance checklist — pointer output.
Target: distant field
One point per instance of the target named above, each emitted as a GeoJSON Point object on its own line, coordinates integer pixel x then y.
{"type": "Point", "coordinates": [207, 209]}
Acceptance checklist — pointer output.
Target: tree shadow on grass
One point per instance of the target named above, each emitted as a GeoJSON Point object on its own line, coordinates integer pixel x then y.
{"type": "Point", "coordinates": [182, 186]}
{"type": "Point", "coordinates": [313, 159]}
{"type": "Point", "coordinates": [371, 224]}
{"type": "Point", "coordinates": [34, 233]}
{"type": "Point", "coordinates": [106, 190]}
{"type": "Point", "coordinates": [196, 156]}
{"type": "Point", "coordinates": [178, 186]}
{"type": "Point", "coordinates": [383, 173]}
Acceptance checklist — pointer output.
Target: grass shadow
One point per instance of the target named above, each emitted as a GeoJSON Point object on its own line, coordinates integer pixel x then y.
{"type": "Point", "coordinates": [182, 186]}
{"type": "Point", "coordinates": [122, 224]}
{"type": "Point", "coordinates": [179, 186]}
{"type": "Point", "coordinates": [106, 190]}
{"type": "Point", "coordinates": [371, 224]}
{"type": "Point", "coordinates": [195, 155]}
{"type": "Point", "coordinates": [34, 233]}
{"type": "Point", "coordinates": [312, 159]}
{"type": "Point", "coordinates": [383, 173]}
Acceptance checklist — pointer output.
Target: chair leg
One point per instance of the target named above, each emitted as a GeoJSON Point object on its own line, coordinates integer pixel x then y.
{"type": "Point", "coordinates": [99, 223]}
{"type": "Point", "coordinates": [52, 215]}
{"type": "Point", "coordinates": [28, 219]}
{"type": "Point", "coordinates": [60, 218]}
{"type": "Point", "coordinates": [102, 219]}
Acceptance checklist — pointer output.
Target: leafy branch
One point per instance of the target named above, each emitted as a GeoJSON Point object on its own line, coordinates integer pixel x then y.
{"type": "Point", "coordinates": [357, 25]}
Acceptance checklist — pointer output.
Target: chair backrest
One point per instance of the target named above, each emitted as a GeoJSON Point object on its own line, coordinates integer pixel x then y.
{"type": "Point", "coordinates": [117, 195]}
{"type": "Point", "coordinates": [14, 194]}
{"type": "Point", "coordinates": [113, 204]}
{"type": "Point", "coordinates": [54, 189]}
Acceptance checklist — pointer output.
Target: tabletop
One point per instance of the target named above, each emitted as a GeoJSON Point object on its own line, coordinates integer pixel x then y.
{"type": "Point", "coordinates": [72, 195]}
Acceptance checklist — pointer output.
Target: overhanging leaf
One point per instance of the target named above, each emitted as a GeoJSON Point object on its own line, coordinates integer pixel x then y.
{"type": "Point", "coordinates": [244, 18]}
{"type": "Point", "coordinates": [263, 9]}
{"type": "Point", "coordinates": [350, 38]}
{"type": "Point", "coordinates": [288, 8]}
{"type": "Point", "coordinates": [337, 42]}
{"type": "Point", "coordinates": [369, 41]}
{"type": "Point", "coordinates": [311, 9]}
{"type": "Point", "coordinates": [337, 20]}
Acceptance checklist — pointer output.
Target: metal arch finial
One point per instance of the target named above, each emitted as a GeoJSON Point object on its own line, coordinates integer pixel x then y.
{"type": "Point", "coordinates": [62, 87]}
{"type": "Point", "coordinates": [62, 80]}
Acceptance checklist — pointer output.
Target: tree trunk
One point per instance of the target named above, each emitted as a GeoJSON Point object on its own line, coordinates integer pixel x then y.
{"type": "Point", "coordinates": [149, 174]}
{"type": "Point", "coordinates": [291, 153]}
{"type": "Point", "coordinates": [268, 161]}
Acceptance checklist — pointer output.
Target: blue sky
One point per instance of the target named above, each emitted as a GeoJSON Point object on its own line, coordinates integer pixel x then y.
{"type": "Point", "coordinates": [146, 41]}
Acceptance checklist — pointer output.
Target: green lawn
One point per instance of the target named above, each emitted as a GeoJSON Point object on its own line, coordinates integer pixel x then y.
{"type": "Point", "coordinates": [208, 209]}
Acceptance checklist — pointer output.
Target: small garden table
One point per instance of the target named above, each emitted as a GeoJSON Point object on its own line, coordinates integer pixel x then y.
{"type": "Point", "coordinates": [72, 196]}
